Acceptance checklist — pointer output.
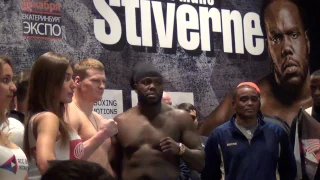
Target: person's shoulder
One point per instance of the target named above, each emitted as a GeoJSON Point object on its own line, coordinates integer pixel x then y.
{"type": "Point", "coordinates": [74, 117]}
{"type": "Point", "coordinates": [274, 120]}
{"type": "Point", "coordinates": [276, 128]}
{"type": "Point", "coordinates": [97, 115]}
{"type": "Point", "coordinates": [46, 118]}
{"type": "Point", "coordinates": [128, 114]}
{"type": "Point", "coordinates": [45, 115]}
{"type": "Point", "coordinates": [177, 114]}
{"type": "Point", "coordinates": [271, 125]}
{"type": "Point", "coordinates": [73, 108]}
{"type": "Point", "coordinates": [168, 109]}
{"type": "Point", "coordinates": [175, 111]}
{"type": "Point", "coordinates": [14, 123]}
{"type": "Point", "coordinates": [219, 133]}
{"type": "Point", "coordinates": [73, 112]}
{"type": "Point", "coordinates": [221, 129]}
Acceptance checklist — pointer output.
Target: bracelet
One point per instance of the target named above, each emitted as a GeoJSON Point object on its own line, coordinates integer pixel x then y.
{"type": "Point", "coordinates": [182, 149]}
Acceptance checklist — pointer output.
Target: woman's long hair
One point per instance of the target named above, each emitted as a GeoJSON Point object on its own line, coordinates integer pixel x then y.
{"type": "Point", "coordinates": [46, 81]}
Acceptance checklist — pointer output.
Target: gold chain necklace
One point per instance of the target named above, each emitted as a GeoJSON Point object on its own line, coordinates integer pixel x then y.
{"type": "Point", "coordinates": [95, 126]}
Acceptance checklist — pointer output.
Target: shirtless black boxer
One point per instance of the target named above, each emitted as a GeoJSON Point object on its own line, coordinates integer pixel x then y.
{"type": "Point", "coordinates": [153, 136]}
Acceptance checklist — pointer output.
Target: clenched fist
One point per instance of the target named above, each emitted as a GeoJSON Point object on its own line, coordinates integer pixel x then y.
{"type": "Point", "coordinates": [109, 127]}
{"type": "Point", "coordinates": [169, 145]}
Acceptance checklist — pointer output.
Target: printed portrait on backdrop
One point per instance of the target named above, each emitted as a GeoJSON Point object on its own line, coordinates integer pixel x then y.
{"type": "Point", "coordinates": [287, 87]}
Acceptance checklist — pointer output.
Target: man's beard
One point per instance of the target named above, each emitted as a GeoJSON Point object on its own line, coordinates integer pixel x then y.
{"type": "Point", "coordinates": [284, 80]}
{"type": "Point", "coordinates": [143, 100]}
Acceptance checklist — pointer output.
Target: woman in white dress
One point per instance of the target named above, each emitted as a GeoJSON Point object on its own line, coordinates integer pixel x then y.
{"type": "Point", "coordinates": [13, 161]}
{"type": "Point", "coordinates": [47, 136]}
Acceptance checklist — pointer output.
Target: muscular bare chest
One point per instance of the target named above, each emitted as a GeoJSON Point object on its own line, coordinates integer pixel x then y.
{"type": "Point", "coordinates": [139, 133]}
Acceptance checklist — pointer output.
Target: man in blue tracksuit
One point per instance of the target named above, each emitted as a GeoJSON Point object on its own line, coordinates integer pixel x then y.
{"type": "Point", "coordinates": [247, 147]}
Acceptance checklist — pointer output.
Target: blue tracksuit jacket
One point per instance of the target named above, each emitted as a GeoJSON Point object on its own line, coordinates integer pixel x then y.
{"type": "Point", "coordinates": [230, 155]}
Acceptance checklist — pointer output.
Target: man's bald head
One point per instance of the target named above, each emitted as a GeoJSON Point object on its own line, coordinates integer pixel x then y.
{"type": "Point", "coordinates": [266, 4]}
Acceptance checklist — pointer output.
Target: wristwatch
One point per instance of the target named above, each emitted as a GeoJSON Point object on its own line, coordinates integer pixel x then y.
{"type": "Point", "coordinates": [182, 149]}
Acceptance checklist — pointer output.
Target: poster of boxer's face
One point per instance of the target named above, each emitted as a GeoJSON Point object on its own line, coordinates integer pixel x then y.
{"type": "Point", "coordinates": [203, 47]}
